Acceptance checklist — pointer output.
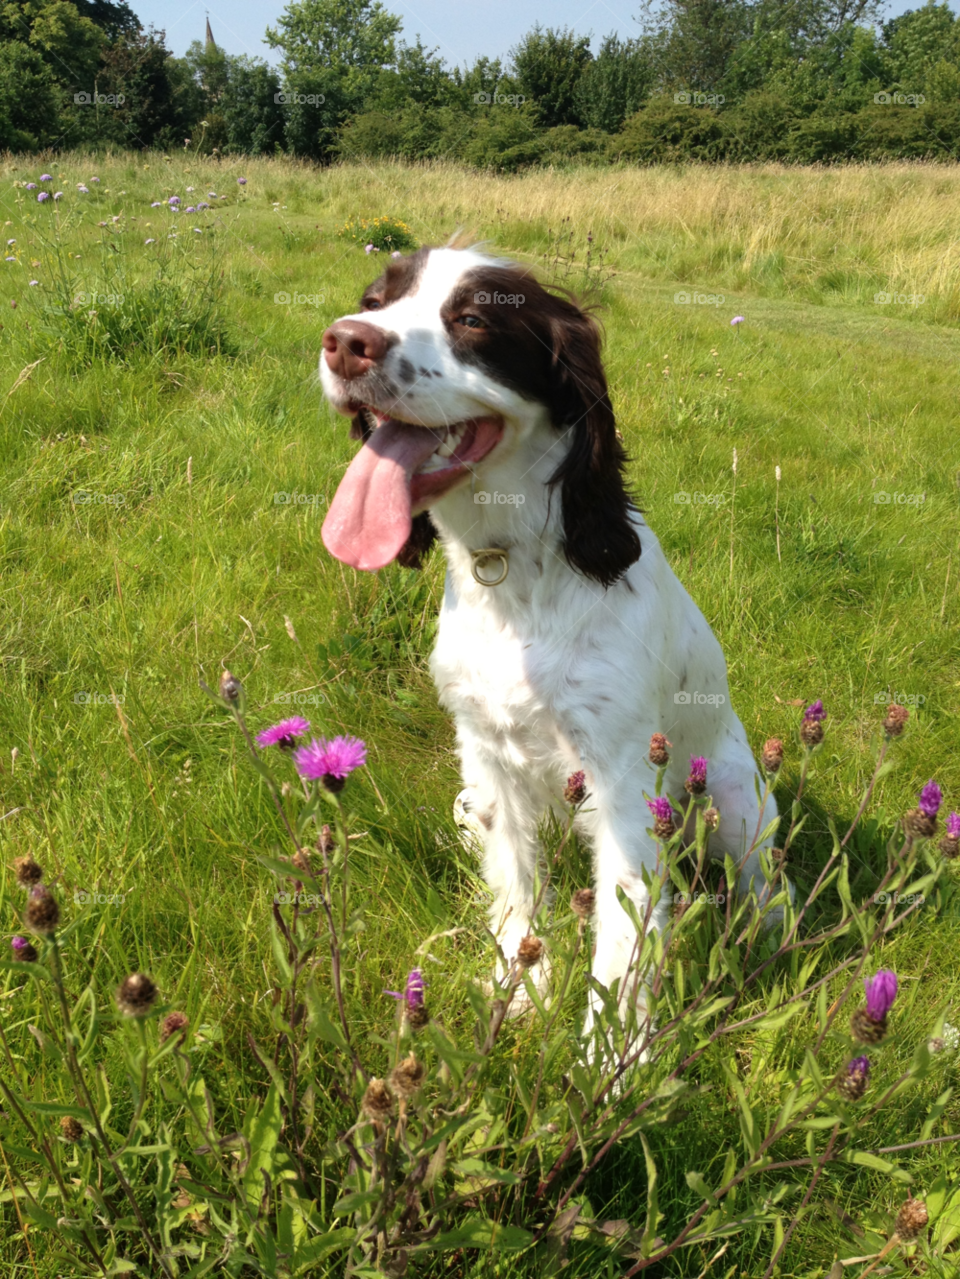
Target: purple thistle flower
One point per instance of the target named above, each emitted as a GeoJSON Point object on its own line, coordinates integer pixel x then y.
{"type": "Point", "coordinates": [698, 767]}
{"type": "Point", "coordinates": [330, 761]}
{"type": "Point", "coordinates": [412, 996]}
{"type": "Point", "coordinates": [738, 319]}
{"type": "Point", "coordinates": [859, 1066]}
{"type": "Point", "coordinates": [661, 809]}
{"type": "Point", "coordinates": [241, 182]}
{"type": "Point", "coordinates": [953, 825]}
{"type": "Point", "coordinates": [931, 797]}
{"type": "Point", "coordinates": [44, 195]}
{"type": "Point", "coordinates": [46, 177]}
{"type": "Point", "coordinates": [19, 943]}
{"type": "Point", "coordinates": [881, 991]}
{"type": "Point", "coordinates": [815, 712]}
{"type": "Point", "coordinates": [284, 734]}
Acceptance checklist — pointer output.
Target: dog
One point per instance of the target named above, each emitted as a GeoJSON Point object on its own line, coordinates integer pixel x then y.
{"type": "Point", "coordinates": [565, 639]}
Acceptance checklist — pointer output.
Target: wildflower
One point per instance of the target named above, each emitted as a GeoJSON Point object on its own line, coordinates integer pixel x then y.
{"type": "Point", "coordinates": [852, 1083]}
{"type": "Point", "coordinates": [530, 951]}
{"type": "Point", "coordinates": [9, 242]}
{"type": "Point", "coordinates": [897, 717]}
{"type": "Point", "coordinates": [772, 758]}
{"type": "Point", "coordinates": [230, 687]}
{"type": "Point", "coordinates": [911, 1219]}
{"type": "Point", "coordinates": [811, 730]}
{"type": "Point", "coordinates": [94, 179]}
{"type": "Point", "coordinates": [658, 753]}
{"type": "Point", "coordinates": [950, 844]}
{"type": "Point", "coordinates": [583, 902]}
{"type": "Point", "coordinates": [174, 1024]}
{"type": "Point", "coordinates": [575, 790]}
{"type": "Point", "coordinates": [70, 1129]}
{"type": "Point", "coordinates": [34, 283]}
{"type": "Point", "coordinates": [44, 195]}
{"type": "Point", "coordinates": [203, 205]}
{"type": "Point", "coordinates": [83, 190]}
{"type": "Point", "coordinates": [212, 195]}
{"type": "Point", "coordinates": [31, 186]}
{"type": "Point", "coordinates": [241, 182]}
{"type": "Point", "coordinates": [23, 951]}
{"type": "Point", "coordinates": [191, 208]}
{"type": "Point", "coordinates": [406, 1078]}
{"type": "Point", "coordinates": [377, 1101]}
{"type": "Point", "coordinates": [949, 1040]}
{"type": "Point", "coordinates": [325, 841]}
{"type": "Point", "coordinates": [173, 201]}
{"type": "Point", "coordinates": [369, 249]}
{"type": "Point", "coordinates": [136, 995]}
{"type": "Point", "coordinates": [738, 319]}
{"type": "Point", "coordinates": [413, 992]}
{"type": "Point", "coordinates": [396, 253]}
{"type": "Point", "coordinates": [197, 231]}
{"type": "Point", "coordinates": [57, 195]}
{"type": "Point", "coordinates": [869, 1025]}
{"type": "Point", "coordinates": [150, 241]}
{"type": "Point", "coordinates": [696, 783]}
{"type": "Point", "coordinates": [189, 189]}
{"type": "Point", "coordinates": [663, 816]}
{"type": "Point", "coordinates": [711, 818]}
{"type": "Point", "coordinates": [27, 871]}
{"type": "Point", "coordinates": [921, 822]}
{"type": "Point", "coordinates": [331, 762]}
{"type": "Point", "coordinates": [156, 204]}
{"type": "Point", "coordinates": [11, 259]}
{"type": "Point", "coordinates": [46, 177]}
{"type": "Point", "coordinates": [43, 913]}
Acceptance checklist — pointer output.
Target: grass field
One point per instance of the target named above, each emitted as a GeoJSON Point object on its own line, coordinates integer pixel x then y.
{"type": "Point", "coordinates": [122, 779]}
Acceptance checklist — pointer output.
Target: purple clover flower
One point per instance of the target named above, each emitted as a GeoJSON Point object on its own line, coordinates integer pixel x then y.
{"type": "Point", "coordinates": [284, 734]}
{"type": "Point", "coordinates": [881, 991]}
{"type": "Point", "coordinates": [412, 996]}
{"type": "Point", "coordinates": [931, 797]}
{"type": "Point", "coordinates": [336, 758]}
{"type": "Point", "coordinates": [815, 712]}
{"type": "Point", "coordinates": [953, 825]}
{"type": "Point", "coordinates": [661, 809]}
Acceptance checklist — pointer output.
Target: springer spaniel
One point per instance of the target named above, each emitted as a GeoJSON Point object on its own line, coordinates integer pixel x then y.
{"type": "Point", "coordinates": [482, 403]}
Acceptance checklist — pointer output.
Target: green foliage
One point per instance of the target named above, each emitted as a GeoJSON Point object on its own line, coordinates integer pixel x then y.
{"type": "Point", "coordinates": [548, 66]}
{"type": "Point", "coordinates": [385, 234]}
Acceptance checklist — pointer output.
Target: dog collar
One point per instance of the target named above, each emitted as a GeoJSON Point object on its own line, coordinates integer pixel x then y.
{"type": "Point", "coordinates": [483, 557]}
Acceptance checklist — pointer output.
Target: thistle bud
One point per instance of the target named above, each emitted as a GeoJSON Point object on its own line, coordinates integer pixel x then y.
{"type": "Point", "coordinates": [174, 1024]}
{"type": "Point", "coordinates": [772, 757]}
{"type": "Point", "coordinates": [377, 1101]}
{"type": "Point", "coordinates": [912, 1219]}
{"type": "Point", "coordinates": [27, 871]}
{"type": "Point", "coordinates": [23, 952]}
{"type": "Point", "coordinates": [325, 841]}
{"type": "Point", "coordinates": [921, 822]}
{"type": "Point", "coordinates": [406, 1078]}
{"type": "Point", "coordinates": [43, 913]}
{"type": "Point", "coordinates": [811, 730]}
{"type": "Point", "coordinates": [852, 1082]}
{"type": "Point", "coordinates": [575, 790]}
{"type": "Point", "coordinates": [711, 818]}
{"type": "Point", "coordinates": [530, 951]}
{"type": "Point", "coordinates": [696, 783]}
{"type": "Point", "coordinates": [658, 754]}
{"type": "Point", "coordinates": [301, 861]}
{"type": "Point", "coordinates": [136, 995]}
{"type": "Point", "coordinates": [897, 717]}
{"type": "Point", "coordinates": [417, 1017]}
{"type": "Point", "coordinates": [583, 902]}
{"type": "Point", "coordinates": [230, 687]}
{"type": "Point", "coordinates": [663, 825]}
{"type": "Point", "coordinates": [70, 1129]}
{"type": "Point", "coordinates": [950, 844]}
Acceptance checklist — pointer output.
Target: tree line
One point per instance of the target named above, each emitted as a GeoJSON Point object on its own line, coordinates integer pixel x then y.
{"type": "Point", "coordinates": [812, 80]}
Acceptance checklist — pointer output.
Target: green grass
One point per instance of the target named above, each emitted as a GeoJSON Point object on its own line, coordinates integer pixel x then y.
{"type": "Point", "coordinates": [199, 566]}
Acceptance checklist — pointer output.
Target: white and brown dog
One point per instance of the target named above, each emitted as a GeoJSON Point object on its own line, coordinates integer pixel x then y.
{"type": "Point", "coordinates": [483, 406]}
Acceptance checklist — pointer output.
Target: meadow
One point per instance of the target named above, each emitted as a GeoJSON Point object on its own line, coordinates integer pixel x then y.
{"type": "Point", "coordinates": [165, 465]}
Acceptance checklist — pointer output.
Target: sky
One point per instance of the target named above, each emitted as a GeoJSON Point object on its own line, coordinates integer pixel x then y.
{"type": "Point", "coordinates": [460, 31]}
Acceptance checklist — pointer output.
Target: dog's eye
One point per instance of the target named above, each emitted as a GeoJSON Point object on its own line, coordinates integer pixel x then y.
{"type": "Point", "coordinates": [371, 304]}
{"type": "Point", "coordinates": [470, 321]}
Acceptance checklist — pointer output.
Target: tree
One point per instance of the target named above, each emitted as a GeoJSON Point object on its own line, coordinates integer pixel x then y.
{"type": "Point", "coordinates": [548, 66]}
{"type": "Point", "coordinates": [615, 84]}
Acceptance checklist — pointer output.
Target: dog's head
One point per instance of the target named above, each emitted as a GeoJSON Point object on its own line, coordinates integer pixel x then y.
{"type": "Point", "coordinates": [452, 359]}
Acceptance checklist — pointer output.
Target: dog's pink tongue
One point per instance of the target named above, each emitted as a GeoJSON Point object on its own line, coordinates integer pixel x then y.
{"type": "Point", "coordinates": [370, 515]}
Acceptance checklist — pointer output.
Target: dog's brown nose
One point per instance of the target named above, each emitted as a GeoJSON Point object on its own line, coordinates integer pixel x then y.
{"type": "Point", "coordinates": [351, 347]}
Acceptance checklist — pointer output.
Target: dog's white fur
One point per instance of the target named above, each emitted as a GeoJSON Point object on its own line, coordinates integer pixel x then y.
{"type": "Point", "coordinates": [550, 672]}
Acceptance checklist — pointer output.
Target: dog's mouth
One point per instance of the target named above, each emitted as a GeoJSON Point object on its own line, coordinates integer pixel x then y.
{"type": "Point", "coordinates": [401, 470]}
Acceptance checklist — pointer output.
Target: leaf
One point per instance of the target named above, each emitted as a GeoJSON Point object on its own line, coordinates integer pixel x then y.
{"type": "Point", "coordinates": [478, 1232]}
{"type": "Point", "coordinates": [353, 1203]}
{"type": "Point", "coordinates": [308, 1253]}
{"type": "Point", "coordinates": [478, 1169]}
{"type": "Point", "coordinates": [263, 1134]}
{"type": "Point", "coordinates": [653, 1213]}
{"type": "Point", "coordinates": [866, 1160]}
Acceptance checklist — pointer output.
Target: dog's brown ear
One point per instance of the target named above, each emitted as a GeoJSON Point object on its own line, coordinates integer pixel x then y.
{"type": "Point", "coordinates": [422, 537]}
{"type": "Point", "coordinates": [599, 537]}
